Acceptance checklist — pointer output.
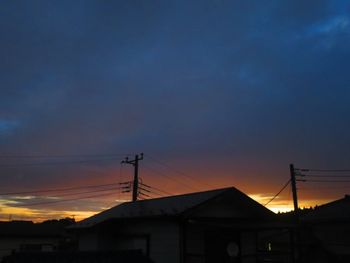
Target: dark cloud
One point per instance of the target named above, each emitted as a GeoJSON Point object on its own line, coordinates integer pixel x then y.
{"type": "Point", "coordinates": [207, 80]}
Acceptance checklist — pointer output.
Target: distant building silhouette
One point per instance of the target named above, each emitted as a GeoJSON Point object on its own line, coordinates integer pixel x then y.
{"type": "Point", "coordinates": [26, 236]}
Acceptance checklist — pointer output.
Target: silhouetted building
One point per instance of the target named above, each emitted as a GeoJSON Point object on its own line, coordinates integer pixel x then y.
{"type": "Point", "coordinates": [330, 226]}
{"type": "Point", "coordinates": [78, 257]}
{"type": "Point", "coordinates": [214, 226]}
{"type": "Point", "coordinates": [26, 236]}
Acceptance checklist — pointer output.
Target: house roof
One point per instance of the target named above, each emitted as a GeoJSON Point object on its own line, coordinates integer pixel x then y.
{"type": "Point", "coordinates": [336, 210]}
{"type": "Point", "coordinates": [178, 205]}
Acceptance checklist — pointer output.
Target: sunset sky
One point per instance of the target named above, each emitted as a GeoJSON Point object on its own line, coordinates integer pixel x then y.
{"type": "Point", "coordinates": [215, 93]}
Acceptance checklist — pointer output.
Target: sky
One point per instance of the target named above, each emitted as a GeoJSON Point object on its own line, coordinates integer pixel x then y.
{"type": "Point", "coordinates": [214, 93]}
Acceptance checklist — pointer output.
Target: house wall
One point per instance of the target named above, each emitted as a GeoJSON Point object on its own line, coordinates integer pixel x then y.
{"type": "Point", "coordinates": [202, 242]}
{"type": "Point", "coordinates": [335, 237]}
{"type": "Point", "coordinates": [276, 244]}
{"type": "Point", "coordinates": [194, 244]}
{"type": "Point", "coordinates": [209, 244]}
{"type": "Point", "coordinates": [164, 239]}
{"type": "Point", "coordinates": [248, 246]}
{"type": "Point", "coordinates": [88, 240]}
{"type": "Point", "coordinates": [159, 238]}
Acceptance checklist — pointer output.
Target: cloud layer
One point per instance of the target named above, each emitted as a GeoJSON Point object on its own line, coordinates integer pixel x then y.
{"type": "Point", "coordinates": [245, 85]}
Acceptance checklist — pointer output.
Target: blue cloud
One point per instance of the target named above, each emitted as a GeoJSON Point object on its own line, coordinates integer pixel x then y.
{"type": "Point", "coordinates": [8, 126]}
{"type": "Point", "coordinates": [264, 79]}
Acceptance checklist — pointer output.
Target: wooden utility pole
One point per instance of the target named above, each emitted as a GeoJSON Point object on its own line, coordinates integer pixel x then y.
{"type": "Point", "coordinates": [295, 236]}
{"type": "Point", "coordinates": [294, 188]}
{"type": "Point", "coordinates": [135, 163]}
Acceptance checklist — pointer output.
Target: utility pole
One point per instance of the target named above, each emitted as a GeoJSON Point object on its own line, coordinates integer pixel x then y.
{"type": "Point", "coordinates": [294, 189]}
{"type": "Point", "coordinates": [295, 238]}
{"type": "Point", "coordinates": [135, 163]}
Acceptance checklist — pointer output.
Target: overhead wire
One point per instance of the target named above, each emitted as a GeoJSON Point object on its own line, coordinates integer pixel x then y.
{"type": "Point", "coordinates": [117, 186]}
{"type": "Point", "coordinates": [323, 170]}
{"type": "Point", "coordinates": [147, 189]}
{"type": "Point", "coordinates": [157, 189]}
{"type": "Point", "coordinates": [328, 177]}
{"type": "Point", "coordinates": [170, 178]}
{"type": "Point", "coordinates": [86, 192]}
{"type": "Point", "coordinates": [326, 187]}
{"type": "Point", "coordinates": [143, 189]}
{"type": "Point", "coordinates": [280, 191]}
{"type": "Point", "coordinates": [64, 200]}
{"type": "Point", "coordinates": [140, 193]}
{"type": "Point", "coordinates": [63, 156]}
{"type": "Point", "coordinates": [150, 192]}
{"type": "Point", "coordinates": [56, 189]}
{"type": "Point", "coordinates": [85, 158]}
{"type": "Point", "coordinates": [326, 181]}
{"type": "Point", "coordinates": [120, 177]}
{"type": "Point", "coordinates": [179, 172]}
{"type": "Point", "coordinates": [325, 176]}
{"type": "Point", "coordinates": [56, 163]}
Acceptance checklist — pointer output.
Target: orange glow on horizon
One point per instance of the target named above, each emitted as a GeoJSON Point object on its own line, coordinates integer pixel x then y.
{"type": "Point", "coordinates": [260, 189]}
{"type": "Point", "coordinates": [36, 215]}
{"type": "Point", "coordinates": [279, 205]}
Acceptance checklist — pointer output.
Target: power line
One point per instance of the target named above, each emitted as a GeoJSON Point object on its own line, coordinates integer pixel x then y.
{"type": "Point", "coordinates": [55, 163]}
{"type": "Point", "coordinates": [150, 192]}
{"type": "Point", "coordinates": [87, 192]}
{"type": "Point", "coordinates": [280, 191]}
{"type": "Point", "coordinates": [328, 177]}
{"type": "Point", "coordinates": [120, 176]}
{"type": "Point", "coordinates": [180, 172]}
{"type": "Point", "coordinates": [327, 181]}
{"type": "Point", "coordinates": [63, 156]}
{"type": "Point", "coordinates": [323, 170]}
{"type": "Point", "coordinates": [156, 194]}
{"type": "Point", "coordinates": [65, 200]}
{"type": "Point", "coordinates": [170, 178]}
{"type": "Point", "coordinates": [143, 189]}
{"type": "Point", "coordinates": [157, 189]}
{"type": "Point", "coordinates": [325, 176]}
{"type": "Point", "coordinates": [317, 190]}
{"type": "Point", "coordinates": [326, 187]}
{"type": "Point", "coordinates": [73, 194]}
{"type": "Point", "coordinates": [144, 194]}
{"type": "Point", "coordinates": [57, 189]}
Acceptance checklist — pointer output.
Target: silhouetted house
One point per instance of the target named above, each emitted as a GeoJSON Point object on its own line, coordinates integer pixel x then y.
{"type": "Point", "coordinates": [20, 236]}
{"type": "Point", "coordinates": [78, 257]}
{"type": "Point", "coordinates": [330, 225]}
{"type": "Point", "coordinates": [214, 226]}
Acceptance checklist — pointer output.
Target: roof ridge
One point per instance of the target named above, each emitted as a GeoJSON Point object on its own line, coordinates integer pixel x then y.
{"type": "Point", "coordinates": [169, 197]}
{"type": "Point", "coordinates": [208, 194]}
{"type": "Point", "coordinates": [345, 198]}
{"type": "Point", "coordinates": [186, 194]}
